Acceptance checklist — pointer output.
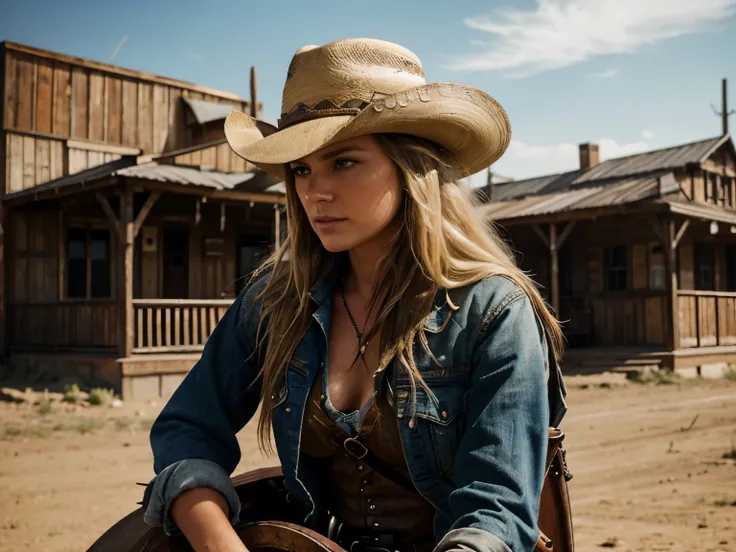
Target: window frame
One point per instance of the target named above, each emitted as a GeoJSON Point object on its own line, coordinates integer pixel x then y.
{"type": "Point", "coordinates": [698, 248]}
{"type": "Point", "coordinates": [609, 251]}
{"type": "Point", "coordinates": [88, 227]}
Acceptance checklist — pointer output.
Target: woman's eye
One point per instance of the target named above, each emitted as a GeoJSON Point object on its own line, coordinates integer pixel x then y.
{"type": "Point", "coordinates": [344, 163]}
{"type": "Point", "coordinates": [300, 171]}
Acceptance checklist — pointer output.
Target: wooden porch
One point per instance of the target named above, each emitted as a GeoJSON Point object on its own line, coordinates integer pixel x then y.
{"type": "Point", "coordinates": [121, 280]}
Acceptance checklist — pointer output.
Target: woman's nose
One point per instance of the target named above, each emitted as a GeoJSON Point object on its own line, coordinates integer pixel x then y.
{"type": "Point", "coordinates": [319, 190]}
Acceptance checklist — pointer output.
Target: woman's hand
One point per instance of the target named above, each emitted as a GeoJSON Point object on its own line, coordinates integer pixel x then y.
{"type": "Point", "coordinates": [202, 515]}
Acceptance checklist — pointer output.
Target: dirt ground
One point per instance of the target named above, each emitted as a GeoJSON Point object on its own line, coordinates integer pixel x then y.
{"type": "Point", "coordinates": [653, 467]}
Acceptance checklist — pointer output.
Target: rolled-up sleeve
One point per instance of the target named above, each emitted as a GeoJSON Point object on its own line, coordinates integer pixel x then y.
{"type": "Point", "coordinates": [499, 466]}
{"type": "Point", "coordinates": [193, 439]}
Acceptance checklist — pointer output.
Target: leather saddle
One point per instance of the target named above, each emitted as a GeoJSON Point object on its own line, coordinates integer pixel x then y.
{"type": "Point", "coordinates": [271, 522]}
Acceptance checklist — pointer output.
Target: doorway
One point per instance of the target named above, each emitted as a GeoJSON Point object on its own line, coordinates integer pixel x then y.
{"type": "Point", "coordinates": [175, 284]}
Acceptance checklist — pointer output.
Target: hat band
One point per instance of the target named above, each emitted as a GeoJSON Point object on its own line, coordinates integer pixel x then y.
{"type": "Point", "coordinates": [325, 108]}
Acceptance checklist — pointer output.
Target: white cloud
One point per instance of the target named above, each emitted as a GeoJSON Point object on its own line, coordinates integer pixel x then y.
{"type": "Point", "coordinates": [607, 74]}
{"type": "Point", "coordinates": [647, 134]}
{"type": "Point", "coordinates": [195, 57]}
{"type": "Point", "coordinates": [560, 33]}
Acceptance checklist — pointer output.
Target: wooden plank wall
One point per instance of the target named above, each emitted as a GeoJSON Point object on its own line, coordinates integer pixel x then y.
{"type": "Point", "coordinates": [211, 277]}
{"type": "Point", "coordinates": [37, 317]}
{"type": "Point", "coordinates": [32, 160]}
{"type": "Point", "coordinates": [52, 98]}
{"type": "Point", "coordinates": [68, 100]}
{"type": "Point", "coordinates": [216, 158]}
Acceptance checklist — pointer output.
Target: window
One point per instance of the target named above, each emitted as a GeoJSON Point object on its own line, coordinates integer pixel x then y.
{"type": "Point", "coordinates": [88, 264]}
{"type": "Point", "coordinates": [657, 269]}
{"type": "Point", "coordinates": [705, 267]}
{"type": "Point", "coordinates": [731, 268]}
{"type": "Point", "coordinates": [714, 187]}
{"type": "Point", "coordinates": [616, 268]}
{"type": "Point", "coordinates": [728, 191]}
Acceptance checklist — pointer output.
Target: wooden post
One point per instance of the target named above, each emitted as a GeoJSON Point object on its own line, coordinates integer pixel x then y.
{"type": "Point", "coordinates": [670, 247]}
{"type": "Point", "coordinates": [125, 281]}
{"type": "Point", "coordinates": [277, 226]}
{"type": "Point", "coordinates": [555, 269]}
{"type": "Point", "coordinates": [253, 93]}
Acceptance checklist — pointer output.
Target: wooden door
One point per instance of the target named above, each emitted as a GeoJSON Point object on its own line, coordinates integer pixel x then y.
{"type": "Point", "coordinates": [175, 262]}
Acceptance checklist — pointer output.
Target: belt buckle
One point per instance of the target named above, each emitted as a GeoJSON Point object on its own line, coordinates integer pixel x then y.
{"type": "Point", "coordinates": [350, 443]}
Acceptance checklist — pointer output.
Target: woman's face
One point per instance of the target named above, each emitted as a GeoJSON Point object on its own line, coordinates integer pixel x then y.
{"type": "Point", "coordinates": [350, 192]}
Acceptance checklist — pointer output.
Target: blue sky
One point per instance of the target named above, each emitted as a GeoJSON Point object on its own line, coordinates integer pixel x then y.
{"type": "Point", "coordinates": [630, 75]}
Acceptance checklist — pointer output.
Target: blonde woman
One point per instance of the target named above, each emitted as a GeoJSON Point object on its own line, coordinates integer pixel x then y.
{"type": "Point", "coordinates": [399, 358]}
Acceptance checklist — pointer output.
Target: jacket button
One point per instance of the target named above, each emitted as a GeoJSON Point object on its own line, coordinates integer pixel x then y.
{"type": "Point", "coordinates": [372, 507]}
{"type": "Point", "coordinates": [287, 409]}
{"type": "Point", "coordinates": [360, 467]}
{"type": "Point", "coordinates": [444, 414]}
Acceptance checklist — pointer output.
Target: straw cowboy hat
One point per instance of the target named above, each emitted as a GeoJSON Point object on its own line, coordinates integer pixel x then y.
{"type": "Point", "coordinates": [355, 87]}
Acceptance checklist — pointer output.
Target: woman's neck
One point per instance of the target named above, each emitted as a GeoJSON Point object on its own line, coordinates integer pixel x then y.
{"type": "Point", "coordinates": [363, 270]}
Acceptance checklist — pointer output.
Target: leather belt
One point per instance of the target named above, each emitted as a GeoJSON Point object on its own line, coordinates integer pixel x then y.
{"type": "Point", "coordinates": [354, 540]}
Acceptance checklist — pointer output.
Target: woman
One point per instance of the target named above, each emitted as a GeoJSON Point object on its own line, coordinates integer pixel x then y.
{"type": "Point", "coordinates": [399, 356]}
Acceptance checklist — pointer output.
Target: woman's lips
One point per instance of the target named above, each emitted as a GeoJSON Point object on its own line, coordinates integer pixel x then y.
{"type": "Point", "coordinates": [327, 223]}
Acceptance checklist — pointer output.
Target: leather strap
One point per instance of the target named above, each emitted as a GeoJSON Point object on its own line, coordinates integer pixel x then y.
{"type": "Point", "coordinates": [359, 451]}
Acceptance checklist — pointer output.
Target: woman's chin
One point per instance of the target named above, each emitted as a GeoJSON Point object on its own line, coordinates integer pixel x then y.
{"type": "Point", "coordinates": [335, 244]}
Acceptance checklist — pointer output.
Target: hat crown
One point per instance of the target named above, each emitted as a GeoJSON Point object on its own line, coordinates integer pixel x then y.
{"type": "Point", "coordinates": [349, 70]}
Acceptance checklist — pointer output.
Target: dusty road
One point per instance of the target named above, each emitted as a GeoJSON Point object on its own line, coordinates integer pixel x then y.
{"type": "Point", "coordinates": [644, 480]}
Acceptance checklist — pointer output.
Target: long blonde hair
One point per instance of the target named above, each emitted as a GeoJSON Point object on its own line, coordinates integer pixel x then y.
{"type": "Point", "coordinates": [451, 246]}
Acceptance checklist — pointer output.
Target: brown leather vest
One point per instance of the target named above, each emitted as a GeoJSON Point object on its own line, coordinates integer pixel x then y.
{"type": "Point", "coordinates": [362, 498]}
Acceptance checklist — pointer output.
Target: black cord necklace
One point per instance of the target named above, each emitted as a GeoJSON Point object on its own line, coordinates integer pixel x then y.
{"type": "Point", "coordinates": [358, 333]}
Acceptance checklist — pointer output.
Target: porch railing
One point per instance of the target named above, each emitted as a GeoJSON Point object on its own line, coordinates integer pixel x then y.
{"type": "Point", "coordinates": [175, 325]}
{"type": "Point", "coordinates": [707, 318]}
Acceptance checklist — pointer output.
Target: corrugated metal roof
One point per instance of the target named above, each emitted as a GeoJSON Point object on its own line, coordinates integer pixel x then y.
{"type": "Point", "coordinates": [188, 176]}
{"type": "Point", "coordinates": [668, 158]}
{"type": "Point", "coordinates": [206, 112]}
{"type": "Point", "coordinates": [533, 186]}
{"type": "Point", "coordinates": [618, 193]}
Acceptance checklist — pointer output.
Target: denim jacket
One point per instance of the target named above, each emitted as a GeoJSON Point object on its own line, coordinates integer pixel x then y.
{"type": "Point", "coordinates": [477, 452]}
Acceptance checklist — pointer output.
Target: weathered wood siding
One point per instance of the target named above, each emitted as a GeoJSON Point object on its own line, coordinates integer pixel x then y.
{"type": "Point", "coordinates": [215, 158]}
{"type": "Point", "coordinates": [50, 98]}
{"type": "Point", "coordinates": [36, 316]}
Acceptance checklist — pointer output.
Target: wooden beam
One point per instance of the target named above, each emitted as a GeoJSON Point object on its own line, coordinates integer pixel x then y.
{"type": "Point", "coordinates": [125, 281]}
{"type": "Point", "coordinates": [253, 93]}
{"type": "Point", "coordinates": [206, 193]}
{"type": "Point", "coordinates": [553, 250]}
{"type": "Point", "coordinates": [565, 233]}
{"type": "Point", "coordinates": [114, 222]}
{"type": "Point", "coordinates": [680, 233]}
{"type": "Point", "coordinates": [538, 232]}
{"type": "Point", "coordinates": [277, 226]}
{"type": "Point", "coordinates": [673, 337]}
{"type": "Point", "coordinates": [145, 210]}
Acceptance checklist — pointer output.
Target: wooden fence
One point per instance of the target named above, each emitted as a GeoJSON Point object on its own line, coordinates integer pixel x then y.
{"type": "Point", "coordinates": [175, 325]}
{"type": "Point", "coordinates": [707, 318]}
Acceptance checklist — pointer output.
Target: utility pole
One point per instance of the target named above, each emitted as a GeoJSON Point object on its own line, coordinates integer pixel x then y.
{"type": "Point", "coordinates": [724, 114]}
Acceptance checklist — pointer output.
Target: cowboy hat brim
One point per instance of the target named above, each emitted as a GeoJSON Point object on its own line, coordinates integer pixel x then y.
{"type": "Point", "coordinates": [465, 121]}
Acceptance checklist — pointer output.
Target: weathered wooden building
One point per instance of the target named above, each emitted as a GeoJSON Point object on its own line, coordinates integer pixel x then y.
{"type": "Point", "coordinates": [637, 255]}
{"type": "Point", "coordinates": [128, 222]}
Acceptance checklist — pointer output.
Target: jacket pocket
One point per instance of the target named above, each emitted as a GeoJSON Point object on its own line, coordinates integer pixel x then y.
{"type": "Point", "coordinates": [442, 415]}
